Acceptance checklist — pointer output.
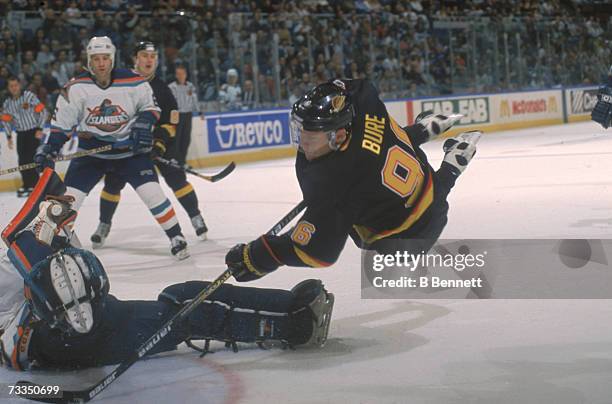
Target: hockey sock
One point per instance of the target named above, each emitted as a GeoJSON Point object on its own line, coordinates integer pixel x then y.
{"type": "Point", "coordinates": [108, 206]}
{"type": "Point", "coordinates": [160, 207]}
{"type": "Point", "coordinates": [188, 199]}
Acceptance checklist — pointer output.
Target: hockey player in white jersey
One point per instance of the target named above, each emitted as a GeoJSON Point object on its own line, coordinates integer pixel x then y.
{"type": "Point", "coordinates": [109, 106]}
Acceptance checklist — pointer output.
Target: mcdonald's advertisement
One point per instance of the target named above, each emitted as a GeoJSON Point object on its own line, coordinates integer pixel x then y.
{"type": "Point", "coordinates": [527, 106]}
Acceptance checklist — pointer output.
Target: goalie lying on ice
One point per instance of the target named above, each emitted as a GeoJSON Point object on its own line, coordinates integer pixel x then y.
{"type": "Point", "coordinates": [56, 310]}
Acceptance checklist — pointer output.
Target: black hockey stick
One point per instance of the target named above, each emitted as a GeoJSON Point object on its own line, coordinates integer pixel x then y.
{"type": "Point", "coordinates": [212, 178]}
{"type": "Point", "coordinates": [83, 396]}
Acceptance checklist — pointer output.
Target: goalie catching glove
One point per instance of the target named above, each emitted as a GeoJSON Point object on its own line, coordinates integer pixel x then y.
{"type": "Point", "coordinates": [54, 216]}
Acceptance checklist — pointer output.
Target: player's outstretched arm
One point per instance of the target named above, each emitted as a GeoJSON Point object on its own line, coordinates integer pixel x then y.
{"type": "Point", "coordinates": [315, 241]}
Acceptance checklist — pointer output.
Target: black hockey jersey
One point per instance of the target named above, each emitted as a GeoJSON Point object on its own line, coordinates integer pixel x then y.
{"type": "Point", "coordinates": [166, 126]}
{"type": "Point", "coordinates": [377, 185]}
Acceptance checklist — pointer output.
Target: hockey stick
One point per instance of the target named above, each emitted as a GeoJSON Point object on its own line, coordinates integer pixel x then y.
{"type": "Point", "coordinates": [83, 396]}
{"type": "Point", "coordinates": [78, 154]}
{"type": "Point", "coordinates": [212, 178]}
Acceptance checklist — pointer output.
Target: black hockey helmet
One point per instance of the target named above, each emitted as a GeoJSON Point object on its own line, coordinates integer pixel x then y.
{"type": "Point", "coordinates": [144, 45]}
{"type": "Point", "coordinates": [325, 108]}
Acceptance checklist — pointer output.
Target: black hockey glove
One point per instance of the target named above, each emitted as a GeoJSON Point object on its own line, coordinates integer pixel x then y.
{"type": "Point", "coordinates": [44, 157]}
{"type": "Point", "coordinates": [240, 259]}
{"type": "Point", "coordinates": [602, 112]}
{"type": "Point", "coordinates": [159, 148]}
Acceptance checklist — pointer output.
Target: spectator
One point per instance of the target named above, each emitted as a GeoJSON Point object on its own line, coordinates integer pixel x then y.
{"type": "Point", "coordinates": [265, 92]}
{"type": "Point", "coordinates": [44, 57]}
{"type": "Point", "coordinates": [230, 92]}
{"type": "Point", "coordinates": [248, 95]}
{"type": "Point", "coordinates": [65, 68]}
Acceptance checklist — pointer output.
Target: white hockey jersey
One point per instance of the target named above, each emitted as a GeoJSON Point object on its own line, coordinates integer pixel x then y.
{"type": "Point", "coordinates": [11, 290]}
{"type": "Point", "coordinates": [102, 115]}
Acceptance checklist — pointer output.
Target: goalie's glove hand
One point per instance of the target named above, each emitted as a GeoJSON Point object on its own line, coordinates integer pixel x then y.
{"type": "Point", "coordinates": [460, 150]}
{"type": "Point", "coordinates": [159, 148]}
{"type": "Point", "coordinates": [45, 153]}
{"type": "Point", "coordinates": [240, 260]}
{"type": "Point", "coordinates": [55, 214]}
{"type": "Point", "coordinates": [434, 125]}
{"type": "Point", "coordinates": [602, 112]}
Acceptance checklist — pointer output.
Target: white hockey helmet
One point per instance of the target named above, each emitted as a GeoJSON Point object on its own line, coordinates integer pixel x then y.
{"type": "Point", "coordinates": [100, 45]}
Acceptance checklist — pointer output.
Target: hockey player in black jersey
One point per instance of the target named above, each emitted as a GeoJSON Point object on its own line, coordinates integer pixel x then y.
{"type": "Point", "coordinates": [363, 176]}
{"type": "Point", "coordinates": [145, 63]}
{"type": "Point", "coordinates": [602, 112]}
{"type": "Point", "coordinates": [56, 310]}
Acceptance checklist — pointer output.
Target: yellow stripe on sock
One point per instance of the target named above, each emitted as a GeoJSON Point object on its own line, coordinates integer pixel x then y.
{"type": "Point", "coordinates": [110, 197]}
{"type": "Point", "coordinates": [183, 191]}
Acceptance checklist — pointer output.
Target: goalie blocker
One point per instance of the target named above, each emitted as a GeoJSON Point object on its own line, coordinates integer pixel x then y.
{"type": "Point", "coordinates": [68, 318]}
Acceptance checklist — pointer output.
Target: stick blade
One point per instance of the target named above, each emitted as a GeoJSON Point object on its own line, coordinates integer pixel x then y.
{"type": "Point", "coordinates": [223, 173]}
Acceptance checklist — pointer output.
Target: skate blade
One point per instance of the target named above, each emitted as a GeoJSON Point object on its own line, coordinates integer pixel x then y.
{"type": "Point", "coordinates": [326, 322]}
{"type": "Point", "coordinates": [454, 118]}
{"type": "Point", "coordinates": [471, 137]}
{"type": "Point", "coordinates": [182, 255]}
{"type": "Point", "coordinates": [203, 236]}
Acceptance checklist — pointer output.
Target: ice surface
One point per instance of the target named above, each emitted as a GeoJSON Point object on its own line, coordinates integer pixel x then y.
{"type": "Point", "coordinates": [544, 182]}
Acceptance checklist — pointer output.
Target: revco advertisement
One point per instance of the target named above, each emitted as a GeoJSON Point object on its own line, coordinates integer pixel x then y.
{"type": "Point", "coordinates": [233, 132]}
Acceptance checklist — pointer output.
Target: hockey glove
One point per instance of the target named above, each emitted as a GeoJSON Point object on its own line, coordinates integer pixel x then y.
{"type": "Point", "coordinates": [159, 148]}
{"type": "Point", "coordinates": [142, 135]}
{"type": "Point", "coordinates": [434, 125]}
{"type": "Point", "coordinates": [602, 112]}
{"type": "Point", "coordinates": [44, 157]}
{"type": "Point", "coordinates": [460, 150]}
{"type": "Point", "coordinates": [245, 269]}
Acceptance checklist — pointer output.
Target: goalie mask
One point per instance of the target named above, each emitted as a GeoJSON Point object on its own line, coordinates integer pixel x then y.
{"type": "Point", "coordinates": [68, 289]}
{"type": "Point", "coordinates": [325, 108]}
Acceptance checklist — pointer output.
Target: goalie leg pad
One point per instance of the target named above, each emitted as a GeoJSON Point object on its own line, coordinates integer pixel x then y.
{"type": "Point", "coordinates": [245, 314]}
{"type": "Point", "coordinates": [234, 314]}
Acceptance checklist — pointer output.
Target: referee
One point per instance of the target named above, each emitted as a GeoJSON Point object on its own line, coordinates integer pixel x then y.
{"type": "Point", "coordinates": [187, 99]}
{"type": "Point", "coordinates": [27, 114]}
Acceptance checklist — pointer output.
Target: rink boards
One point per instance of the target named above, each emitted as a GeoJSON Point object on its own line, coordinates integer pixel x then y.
{"type": "Point", "coordinates": [264, 134]}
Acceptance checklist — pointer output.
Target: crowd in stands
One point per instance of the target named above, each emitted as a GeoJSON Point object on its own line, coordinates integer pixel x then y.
{"type": "Point", "coordinates": [408, 48]}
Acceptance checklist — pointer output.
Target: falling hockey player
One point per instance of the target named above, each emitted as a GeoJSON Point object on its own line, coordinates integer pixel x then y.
{"type": "Point", "coordinates": [56, 311]}
{"type": "Point", "coordinates": [116, 107]}
{"type": "Point", "coordinates": [145, 63]}
{"type": "Point", "coordinates": [361, 175]}
{"type": "Point", "coordinates": [602, 112]}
